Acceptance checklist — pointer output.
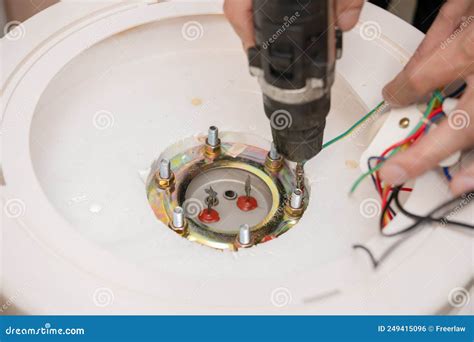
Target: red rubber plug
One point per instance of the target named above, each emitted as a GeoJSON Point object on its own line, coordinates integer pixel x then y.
{"type": "Point", "coordinates": [268, 238]}
{"type": "Point", "coordinates": [247, 203]}
{"type": "Point", "coordinates": [209, 216]}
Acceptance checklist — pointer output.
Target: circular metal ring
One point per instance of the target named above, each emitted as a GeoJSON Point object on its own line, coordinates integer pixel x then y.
{"type": "Point", "coordinates": [192, 163]}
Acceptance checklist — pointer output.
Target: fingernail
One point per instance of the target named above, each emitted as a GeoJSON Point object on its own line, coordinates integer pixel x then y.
{"type": "Point", "coordinates": [462, 184]}
{"type": "Point", "coordinates": [348, 19]}
{"type": "Point", "coordinates": [394, 174]}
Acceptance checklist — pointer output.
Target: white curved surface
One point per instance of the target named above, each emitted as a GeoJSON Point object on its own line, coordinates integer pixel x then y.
{"type": "Point", "coordinates": [61, 254]}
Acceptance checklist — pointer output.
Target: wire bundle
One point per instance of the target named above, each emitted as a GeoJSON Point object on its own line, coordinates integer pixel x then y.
{"type": "Point", "coordinates": [433, 113]}
{"type": "Point", "coordinates": [389, 194]}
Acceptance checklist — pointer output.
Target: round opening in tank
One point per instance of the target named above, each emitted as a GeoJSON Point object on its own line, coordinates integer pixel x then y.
{"type": "Point", "coordinates": [225, 195]}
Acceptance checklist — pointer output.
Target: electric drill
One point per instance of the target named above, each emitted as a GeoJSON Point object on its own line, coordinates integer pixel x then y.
{"type": "Point", "coordinates": [294, 59]}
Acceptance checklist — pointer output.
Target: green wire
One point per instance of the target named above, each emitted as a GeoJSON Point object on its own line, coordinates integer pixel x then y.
{"type": "Point", "coordinates": [354, 126]}
{"type": "Point", "coordinates": [436, 96]}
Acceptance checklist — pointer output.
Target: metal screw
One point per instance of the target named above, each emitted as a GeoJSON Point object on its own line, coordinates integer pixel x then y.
{"type": "Point", "coordinates": [274, 161]}
{"type": "Point", "coordinates": [296, 199]}
{"type": "Point", "coordinates": [404, 122]}
{"type": "Point", "coordinates": [165, 169]}
{"type": "Point", "coordinates": [213, 136]}
{"type": "Point", "coordinates": [178, 217]}
{"type": "Point", "coordinates": [274, 155]}
{"type": "Point", "coordinates": [244, 234]}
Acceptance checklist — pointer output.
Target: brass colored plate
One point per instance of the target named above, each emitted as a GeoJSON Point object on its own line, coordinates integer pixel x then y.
{"type": "Point", "coordinates": [195, 166]}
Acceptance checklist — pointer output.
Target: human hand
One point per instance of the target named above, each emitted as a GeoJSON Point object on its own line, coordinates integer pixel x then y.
{"type": "Point", "coordinates": [445, 55]}
{"type": "Point", "coordinates": [239, 13]}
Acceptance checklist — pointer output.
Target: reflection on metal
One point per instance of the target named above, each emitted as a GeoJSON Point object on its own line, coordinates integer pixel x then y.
{"type": "Point", "coordinates": [213, 143]}
{"type": "Point", "coordinates": [404, 122]}
{"type": "Point", "coordinates": [274, 161]}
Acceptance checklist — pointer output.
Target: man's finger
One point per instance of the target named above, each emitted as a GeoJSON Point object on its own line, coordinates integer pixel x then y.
{"type": "Point", "coordinates": [443, 66]}
{"type": "Point", "coordinates": [347, 13]}
{"type": "Point", "coordinates": [454, 134]}
{"type": "Point", "coordinates": [449, 18]}
{"type": "Point", "coordinates": [463, 181]}
{"type": "Point", "coordinates": [239, 14]}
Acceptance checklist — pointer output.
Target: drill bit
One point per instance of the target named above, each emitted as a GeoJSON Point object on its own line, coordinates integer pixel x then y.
{"type": "Point", "coordinates": [299, 172]}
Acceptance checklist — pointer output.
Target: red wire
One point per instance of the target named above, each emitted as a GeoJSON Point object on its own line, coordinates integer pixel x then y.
{"type": "Point", "coordinates": [384, 202]}
{"type": "Point", "coordinates": [414, 136]}
{"type": "Point", "coordinates": [410, 139]}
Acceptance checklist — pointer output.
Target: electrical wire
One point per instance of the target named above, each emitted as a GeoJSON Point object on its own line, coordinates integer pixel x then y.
{"type": "Point", "coordinates": [354, 126]}
{"type": "Point", "coordinates": [447, 174]}
{"type": "Point", "coordinates": [390, 195]}
{"type": "Point", "coordinates": [429, 218]}
{"type": "Point", "coordinates": [458, 91]}
{"type": "Point", "coordinates": [374, 179]}
{"type": "Point", "coordinates": [421, 124]}
{"type": "Point", "coordinates": [374, 261]}
{"type": "Point", "coordinates": [419, 220]}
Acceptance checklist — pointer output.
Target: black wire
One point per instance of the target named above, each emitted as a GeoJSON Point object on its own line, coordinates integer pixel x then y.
{"type": "Point", "coordinates": [429, 218]}
{"type": "Point", "coordinates": [369, 165]}
{"type": "Point", "coordinates": [385, 254]}
{"type": "Point", "coordinates": [457, 91]}
{"type": "Point", "coordinates": [374, 261]}
{"type": "Point", "coordinates": [384, 209]}
{"type": "Point", "coordinates": [419, 220]}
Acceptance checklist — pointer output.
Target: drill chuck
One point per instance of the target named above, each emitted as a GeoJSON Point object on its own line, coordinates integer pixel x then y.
{"type": "Point", "coordinates": [297, 135]}
{"type": "Point", "coordinates": [294, 60]}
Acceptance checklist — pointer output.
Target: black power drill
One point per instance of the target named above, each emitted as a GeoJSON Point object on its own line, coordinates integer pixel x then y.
{"type": "Point", "coordinates": [294, 59]}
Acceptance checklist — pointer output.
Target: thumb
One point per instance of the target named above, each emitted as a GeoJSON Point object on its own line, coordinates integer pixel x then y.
{"type": "Point", "coordinates": [239, 13]}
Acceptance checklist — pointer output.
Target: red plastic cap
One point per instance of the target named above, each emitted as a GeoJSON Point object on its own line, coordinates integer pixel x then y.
{"type": "Point", "coordinates": [209, 216]}
{"type": "Point", "coordinates": [247, 203]}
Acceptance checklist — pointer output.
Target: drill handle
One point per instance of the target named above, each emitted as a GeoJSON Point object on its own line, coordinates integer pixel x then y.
{"type": "Point", "coordinates": [296, 41]}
